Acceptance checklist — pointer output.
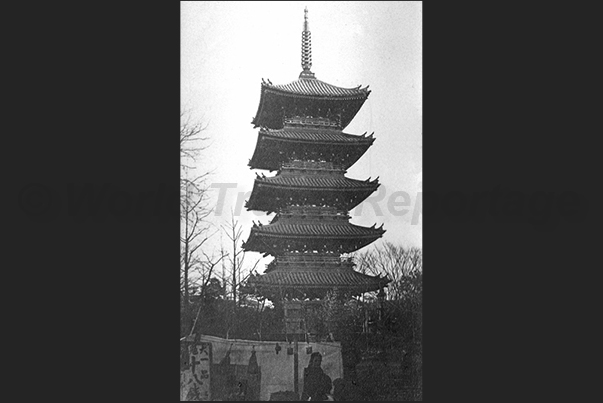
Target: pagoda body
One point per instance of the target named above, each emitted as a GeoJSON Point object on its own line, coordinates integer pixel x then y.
{"type": "Point", "coordinates": [301, 137]}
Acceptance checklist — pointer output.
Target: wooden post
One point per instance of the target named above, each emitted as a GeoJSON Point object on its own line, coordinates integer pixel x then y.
{"type": "Point", "coordinates": [295, 366]}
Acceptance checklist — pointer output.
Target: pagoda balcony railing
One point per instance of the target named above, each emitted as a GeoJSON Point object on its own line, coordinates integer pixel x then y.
{"type": "Point", "coordinates": [320, 165]}
{"type": "Point", "coordinates": [313, 212]}
{"type": "Point", "coordinates": [311, 121]}
{"type": "Point", "coordinates": [312, 260]}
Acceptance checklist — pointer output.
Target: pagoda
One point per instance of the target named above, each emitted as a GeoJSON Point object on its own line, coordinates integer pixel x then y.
{"type": "Point", "coordinates": [301, 137]}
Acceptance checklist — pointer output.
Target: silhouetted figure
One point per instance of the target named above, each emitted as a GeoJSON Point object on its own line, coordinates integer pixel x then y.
{"type": "Point", "coordinates": [317, 384]}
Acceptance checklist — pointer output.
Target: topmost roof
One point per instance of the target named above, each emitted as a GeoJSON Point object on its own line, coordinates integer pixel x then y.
{"type": "Point", "coordinates": [309, 97]}
{"type": "Point", "coordinates": [316, 88]}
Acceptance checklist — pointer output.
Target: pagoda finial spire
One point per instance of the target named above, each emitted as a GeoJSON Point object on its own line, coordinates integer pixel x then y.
{"type": "Point", "coordinates": [306, 57]}
{"type": "Point", "coordinates": [306, 26]}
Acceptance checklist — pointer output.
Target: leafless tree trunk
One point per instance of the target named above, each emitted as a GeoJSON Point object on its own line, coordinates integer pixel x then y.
{"type": "Point", "coordinates": [234, 232]}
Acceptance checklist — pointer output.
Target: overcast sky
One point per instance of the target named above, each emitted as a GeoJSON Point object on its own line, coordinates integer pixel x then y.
{"type": "Point", "coordinates": [228, 47]}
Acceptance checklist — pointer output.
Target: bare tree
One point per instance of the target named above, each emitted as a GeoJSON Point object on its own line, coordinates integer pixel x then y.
{"type": "Point", "coordinates": [192, 184]}
{"type": "Point", "coordinates": [401, 265]}
{"type": "Point", "coordinates": [196, 264]}
{"type": "Point", "coordinates": [191, 140]}
{"type": "Point", "coordinates": [205, 271]}
{"type": "Point", "coordinates": [234, 232]}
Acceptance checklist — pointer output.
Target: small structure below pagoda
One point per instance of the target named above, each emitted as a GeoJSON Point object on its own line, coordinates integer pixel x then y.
{"type": "Point", "coordinates": [301, 137]}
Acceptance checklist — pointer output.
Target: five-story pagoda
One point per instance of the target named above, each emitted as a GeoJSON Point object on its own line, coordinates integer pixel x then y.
{"type": "Point", "coordinates": [301, 138]}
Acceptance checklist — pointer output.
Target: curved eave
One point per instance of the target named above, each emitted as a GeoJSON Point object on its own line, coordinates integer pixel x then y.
{"type": "Point", "coordinates": [264, 241]}
{"type": "Point", "coordinates": [255, 119]}
{"type": "Point", "coordinates": [316, 135]}
{"type": "Point", "coordinates": [314, 183]}
{"type": "Point", "coordinates": [267, 196]}
{"type": "Point", "coordinates": [265, 157]}
{"type": "Point", "coordinates": [318, 280]}
{"type": "Point", "coordinates": [316, 87]}
{"type": "Point", "coordinates": [282, 96]}
{"type": "Point", "coordinates": [338, 238]}
{"type": "Point", "coordinates": [305, 231]}
{"type": "Point", "coordinates": [360, 95]}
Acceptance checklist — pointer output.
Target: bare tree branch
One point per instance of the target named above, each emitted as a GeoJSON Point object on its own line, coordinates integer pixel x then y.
{"type": "Point", "coordinates": [401, 265]}
{"type": "Point", "coordinates": [197, 266]}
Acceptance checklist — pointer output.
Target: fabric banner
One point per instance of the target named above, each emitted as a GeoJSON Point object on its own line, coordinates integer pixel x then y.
{"type": "Point", "coordinates": [260, 368]}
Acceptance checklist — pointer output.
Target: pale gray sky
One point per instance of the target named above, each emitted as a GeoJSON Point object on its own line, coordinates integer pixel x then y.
{"type": "Point", "coordinates": [228, 47]}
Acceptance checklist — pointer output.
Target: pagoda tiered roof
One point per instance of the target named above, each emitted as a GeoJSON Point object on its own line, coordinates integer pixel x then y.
{"type": "Point", "coordinates": [297, 235]}
{"type": "Point", "coordinates": [306, 229]}
{"type": "Point", "coordinates": [314, 135]}
{"type": "Point", "coordinates": [296, 187]}
{"type": "Point", "coordinates": [308, 97]}
{"type": "Point", "coordinates": [312, 274]}
{"type": "Point", "coordinates": [275, 147]}
{"type": "Point", "coordinates": [312, 87]}
{"type": "Point", "coordinates": [308, 280]}
{"type": "Point", "coordinates": [324, 182]}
